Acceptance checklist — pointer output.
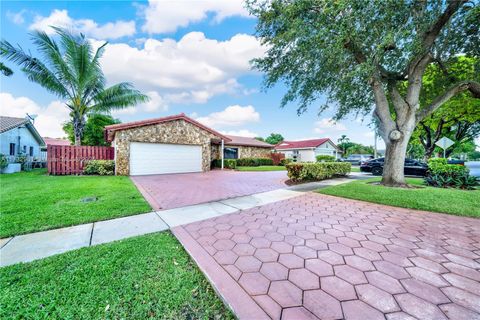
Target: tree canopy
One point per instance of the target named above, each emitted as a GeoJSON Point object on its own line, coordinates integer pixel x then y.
{"type": "Point", "coordinates": [274, 138]}
{"type": "Point", "coordinates": [358, 54]}
{"type": "Point", "coordinates": [93, 134]}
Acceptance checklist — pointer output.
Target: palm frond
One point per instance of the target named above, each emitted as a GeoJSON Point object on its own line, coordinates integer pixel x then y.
{"type": "Point", "coordinates": [118, 96]}
{"type": "Point", "coordinates": [6, 71]}
{"type": "Point", "coordinates": [34, 67]}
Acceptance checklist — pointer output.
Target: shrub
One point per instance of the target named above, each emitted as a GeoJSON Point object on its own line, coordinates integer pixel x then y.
{"type": "Point", "coordinates": [3, 161]}
{"type": "Point", "coordinates": [443, 175]}
{"type": "Point", "coordinates": [100, 167]}
{"type": "Point", "coordinates": [285, 161]}
{"type": "Point", "coordinates": [302, 171]}
{"type": "Point", "coordinates": [254, 162]}
{"type": "Point", "coordinates": [277, 158]}
{"type": "Point", "coordinates": [325, 158]}
{"type": "Point", "coordinates": [227, 163]}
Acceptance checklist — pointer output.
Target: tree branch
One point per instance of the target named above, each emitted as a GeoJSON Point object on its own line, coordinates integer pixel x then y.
{"type": "Point", "coordinates": [472, 86]}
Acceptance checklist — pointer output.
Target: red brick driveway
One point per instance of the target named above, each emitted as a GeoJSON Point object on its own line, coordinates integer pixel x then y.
{"type": "Point", "coordinates": [169, 191]}
{"type": "Point", "coordinates": [321, 257]}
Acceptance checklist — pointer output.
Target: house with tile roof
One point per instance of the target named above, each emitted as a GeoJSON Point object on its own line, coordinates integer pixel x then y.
{"type": "Point", "coordinates": [308, 150]}
{"type": "Point", "coordinates": [176, 144]}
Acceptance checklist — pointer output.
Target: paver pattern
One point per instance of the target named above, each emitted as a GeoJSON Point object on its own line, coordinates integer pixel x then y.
{"type": "Point", "coordinates": [322, 257]}
{"type": "Point", "coordinates": [169, 191]}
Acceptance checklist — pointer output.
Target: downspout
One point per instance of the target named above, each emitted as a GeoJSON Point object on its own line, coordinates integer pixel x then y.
{"type": "Point", "coordinates": [221, 152]}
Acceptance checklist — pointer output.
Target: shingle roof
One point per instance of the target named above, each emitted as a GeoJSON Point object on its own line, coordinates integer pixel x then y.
{"type": "Point", "coordinates": [245, 141]}
{"type": "Point", "coordinates": [303, 144]}
{"type": "Point", "coordinates": [7, 123]}
{"type": "Point", "coordinates": [110, 130]}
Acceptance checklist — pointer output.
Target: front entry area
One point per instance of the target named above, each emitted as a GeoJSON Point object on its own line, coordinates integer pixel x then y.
{"type": "Point", "coordinates": [162, 158]}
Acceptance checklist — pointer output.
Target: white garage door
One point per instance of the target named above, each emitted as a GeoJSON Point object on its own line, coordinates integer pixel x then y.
{"type": "Point", "coordinates": [160, 158]}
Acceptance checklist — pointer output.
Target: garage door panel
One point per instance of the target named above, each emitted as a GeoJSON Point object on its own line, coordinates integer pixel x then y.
{"type": "Point", "coordinates": [160, 158]}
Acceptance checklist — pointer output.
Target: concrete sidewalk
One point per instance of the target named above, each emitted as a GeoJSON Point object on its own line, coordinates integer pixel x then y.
{"type": "Point", "coordinates": [33, 246]}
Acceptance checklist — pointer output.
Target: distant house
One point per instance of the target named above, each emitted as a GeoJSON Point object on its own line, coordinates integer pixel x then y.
{"type": "Point", "coordinates": [307, 150]}
{"type": "Point", "coordinates": [55, 142]}
{"type": "Point", "coordinates": [18, 136]}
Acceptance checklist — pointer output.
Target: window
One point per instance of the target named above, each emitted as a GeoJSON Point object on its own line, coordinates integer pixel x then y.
{"type": "Point", "coordinates": [12, 149]}
{"type": "Point", "coordinates": [25, 149]}
{"type": "Point", "coordinates": [230, 153]}
{"type": "Point", "coordinates": [31, 152]}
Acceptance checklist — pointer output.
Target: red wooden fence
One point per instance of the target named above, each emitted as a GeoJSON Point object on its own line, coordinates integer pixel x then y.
{"type": "Point", "coordinates": [71, 159]}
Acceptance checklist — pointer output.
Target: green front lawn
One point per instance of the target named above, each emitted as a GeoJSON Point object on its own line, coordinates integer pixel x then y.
{"type": "Point", "coordinates": [145, 277]}
{"type": "Point", "coordinates": [262, 168]}
{"type": "Point", "coordinates": [452, 201]}
{"type": "Point", "coordinates": [355, 169]}
{"type": "Point", "coordinates": [33, 201]}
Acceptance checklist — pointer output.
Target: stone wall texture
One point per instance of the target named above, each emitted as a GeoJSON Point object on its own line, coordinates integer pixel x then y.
{"type": "Point", "coordinates": [252, 152]}
{"type": "Point", "coordinates": [175, 132]}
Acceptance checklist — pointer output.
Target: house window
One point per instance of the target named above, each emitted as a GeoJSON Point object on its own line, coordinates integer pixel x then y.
{"type": "Point", "coordinates": [31, 152]}
{"type": "Point", "coordinates": [24, 149]}
{"type": "Point", "coordinates": [230, 153]}
{"type": "Point", "coordinates": [12, 149]}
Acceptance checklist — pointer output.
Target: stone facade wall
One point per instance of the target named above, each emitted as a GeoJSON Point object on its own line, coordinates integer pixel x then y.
{"type": "Point", "coordinates": [174, 132]}
{"type": "Point", "coordinates": [252, 152]}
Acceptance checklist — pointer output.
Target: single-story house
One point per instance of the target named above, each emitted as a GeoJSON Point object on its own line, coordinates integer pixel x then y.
{"type": "Point", "coordinates": [307, 150]}
{"type": "Point", "coordinates": [175, 144]}
{"type": "Point", "coordinates": [18, 136]}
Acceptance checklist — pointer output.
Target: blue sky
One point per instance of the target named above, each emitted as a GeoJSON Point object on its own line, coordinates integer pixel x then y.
{"type": "Point", "coordinates": [188, 56]}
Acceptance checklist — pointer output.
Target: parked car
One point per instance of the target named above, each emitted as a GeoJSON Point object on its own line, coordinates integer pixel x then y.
{"type": "Point", "coordinates": [411, 167]}
{"type": "Point", "coordinates": [357, 159]}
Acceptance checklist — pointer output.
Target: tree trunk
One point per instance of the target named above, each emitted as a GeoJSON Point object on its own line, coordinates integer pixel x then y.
{"type": "Point", "coordinates": [78, 126]}
{"type": "Point", "coordinates": [393, 175]}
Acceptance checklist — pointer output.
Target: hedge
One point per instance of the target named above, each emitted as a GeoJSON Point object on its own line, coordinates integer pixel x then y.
{"type": "Point", "coordinates": [227, 163]}
{"type": "Point", "coordinates": [303, 171]}
{"type": "Point", "coordinates": [443, 175]}
{"type": "Point", "coordinates": [325, 158]}
{"type": "Point", "coordinates": [254, 162]}
{"type": "Point", "coordinates": [100, 167]}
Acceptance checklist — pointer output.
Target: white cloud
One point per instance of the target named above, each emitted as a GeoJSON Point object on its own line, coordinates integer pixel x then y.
{"type": "Point", "coordinates": [60, 18]}
{"type": "Point", "coordinates": [192, 69]}
{"type": "Point", "coordinates": [50, 118]}
{"type": "Point", "coordinates": [327, 125]}
{"type": "Point", "coordinates": [241, 133]}
{"type": "Point", "coordinates": [369, 134]}
{"type": "Point", "coordinates": [232, 116]}
{"type": "Point", "coordinates": [167, 16]}
{"type": "Point", "coordinates": [16, 17]}
{"type": "Point", "coordinates": [156, 104]}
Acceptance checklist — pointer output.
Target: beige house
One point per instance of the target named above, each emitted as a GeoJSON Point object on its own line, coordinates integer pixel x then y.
{"type": "Point", "coordinates": [175, 144]}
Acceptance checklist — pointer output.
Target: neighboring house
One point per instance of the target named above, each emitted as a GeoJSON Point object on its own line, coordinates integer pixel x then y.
{"type": "Point", "coordinates": [55, 142]}
{"type": "Point", "coordinates": [175, 144]}
{"type": "Point", "coordinates": [307, 150]}
{"type": "Point", "coordinates": [18, 136]}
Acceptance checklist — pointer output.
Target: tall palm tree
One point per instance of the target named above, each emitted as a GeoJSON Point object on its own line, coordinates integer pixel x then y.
{"type": "Point", "coordinates": [71, 70]}
{"type": "Point", "coordinates": [6, 71]}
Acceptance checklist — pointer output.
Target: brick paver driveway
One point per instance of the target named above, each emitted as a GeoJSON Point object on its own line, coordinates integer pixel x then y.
{"type": "Point", "coordinates": [316, 256]}
{"type": "Point", "coordinates": [169, 191]}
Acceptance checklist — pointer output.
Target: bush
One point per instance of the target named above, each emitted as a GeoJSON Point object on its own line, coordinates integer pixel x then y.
{"type": "Point", "coordinates": [302, 171]}
{"type": "Point", "coordinates": [443, 175]}
{"type": "Point", "coordinates": [285, 161]}
{"type": "Point", "coordinates": [277, 158]}
{"type": "Point", "coordinates": [325, 158]}
{"type": "Point", "coordinates": [100, 167]}
{"type": "Point", "coordinates": [254, 162]}
{"type": "Point", "coordinates": [3, 161]}
{"type": "Point", "coordinates": [227, 163]}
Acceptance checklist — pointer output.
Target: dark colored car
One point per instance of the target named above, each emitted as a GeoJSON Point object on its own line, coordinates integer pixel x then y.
{"type": "Point", "coordinates": [411, 167]}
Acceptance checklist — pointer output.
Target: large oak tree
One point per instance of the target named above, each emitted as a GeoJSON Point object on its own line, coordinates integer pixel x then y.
{"type": "Point", "coordinates": [359, 53]}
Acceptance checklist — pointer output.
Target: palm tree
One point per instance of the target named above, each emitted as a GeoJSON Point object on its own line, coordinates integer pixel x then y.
{"type": "Point", "coordinates": [6, 71]}
{"type": "Point", "coordinates": [71, 70]}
